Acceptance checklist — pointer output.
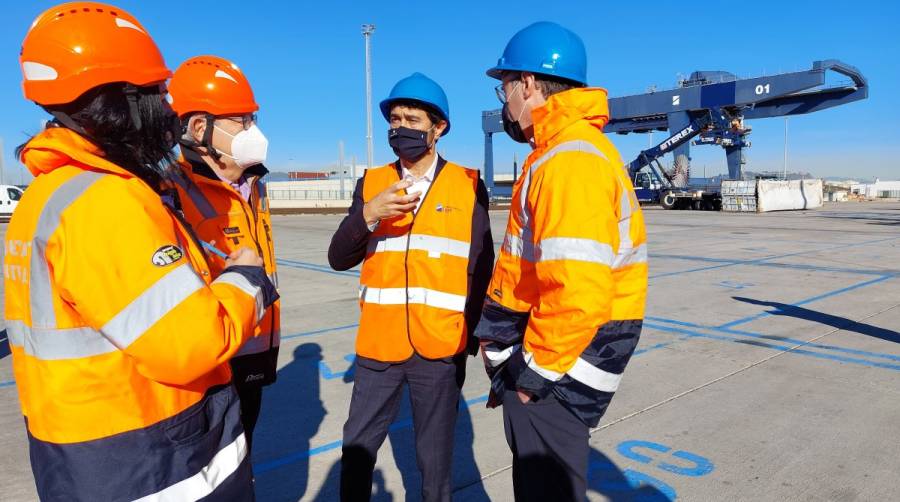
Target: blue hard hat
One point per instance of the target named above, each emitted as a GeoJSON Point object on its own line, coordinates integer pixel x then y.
{"type": "Point", "coordinates": [545, 48]}
{"type": "Point", "coordinates": [418, 87]}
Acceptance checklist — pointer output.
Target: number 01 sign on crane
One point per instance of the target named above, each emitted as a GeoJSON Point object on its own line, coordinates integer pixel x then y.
{"type": "Point", "coordinates": [710, 108]}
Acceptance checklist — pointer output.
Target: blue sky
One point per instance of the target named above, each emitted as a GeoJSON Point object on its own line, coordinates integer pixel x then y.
{"type": "Point", "coordinates": [306, 63]}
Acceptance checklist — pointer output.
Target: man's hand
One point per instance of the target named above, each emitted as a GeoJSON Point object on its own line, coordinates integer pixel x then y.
{"type": "Point", "coordinates": [483, 344]}
{"type": "Point", "coordinates": [244, 257]}
{"type": "Point", "coordinates": [524, 396]}
{"type": "Point", "coordinates": [388, 203]}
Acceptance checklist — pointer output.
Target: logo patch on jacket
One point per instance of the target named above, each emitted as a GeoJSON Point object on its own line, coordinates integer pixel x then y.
{"type": "Point", "coordinates": [254, 378]}
{"type": "Point", "coordinates": [167, 255]}
{"type": "Point", "coordinates": [231, 230]}
{"type": "Point", "coordinates": [445, 209]}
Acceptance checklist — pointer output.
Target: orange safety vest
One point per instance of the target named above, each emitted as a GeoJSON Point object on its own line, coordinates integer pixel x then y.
{"type": "Point", "coordinates": [219, 214]}
{"type": "Point", "coordinates": [120, 347]}
{"type": "Point", "coordinates": [414, 280]}
{"type": "Point", "coordinates": [573, 264]}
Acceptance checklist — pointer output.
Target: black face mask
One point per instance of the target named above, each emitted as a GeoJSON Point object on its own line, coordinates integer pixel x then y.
{"type": "Point", "coordinates": [175, 130]}
{"type": "Point", "coordinates": [409, 144]}
{"type": "Point", "coordinates": [512, 128]}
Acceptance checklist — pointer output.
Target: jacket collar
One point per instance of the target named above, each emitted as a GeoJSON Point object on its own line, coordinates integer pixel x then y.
{"type": "Point", "coordinates": [56, 147]}
{"type": "Point", "coordinates": [565, 109]}
{"type": "Point", "coordinates": [441, 162]}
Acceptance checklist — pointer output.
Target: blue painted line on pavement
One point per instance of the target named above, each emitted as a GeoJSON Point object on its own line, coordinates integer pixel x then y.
{"type": "Point", "coordinates": [846, 350]}
{"type": "Point", "coordinates": [857, 352]}
{"type": "Point", "coordinates": [692, 270]}
{"type": "Point", "coordinates": [263, 467]}
{"type": "Point", "coordinates": [316, 268]}
{"type": "Point", "coordinates": [769, 258]}
{"type": "Point", "coordinates": [773, 346]}
{"type": "Point", "coordinates": [651, 348]}
{"type": "Point", "coordinates": [809, 300]}
{"type": "Point", "coordinates": [319, 331]}
{"type": "Point", "coordinates": [326, 372]}
{"type": "Point", "coordinates": [719, 262]}
{"type": "Point", "coordinates": [270, 465]}
{"type": "Point", "coordinates": [10, 383]}
{"type": "Point", "coordinates": [673, 321]}
{"type": "Point", "coordinates": [789, 266]}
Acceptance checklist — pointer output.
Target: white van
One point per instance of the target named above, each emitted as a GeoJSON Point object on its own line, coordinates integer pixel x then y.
{"type": "Point", "coordinates": [9, 199]}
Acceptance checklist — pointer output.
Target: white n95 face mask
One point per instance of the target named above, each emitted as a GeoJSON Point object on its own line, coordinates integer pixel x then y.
{"type": "Point", "coordinates": [248, 147]}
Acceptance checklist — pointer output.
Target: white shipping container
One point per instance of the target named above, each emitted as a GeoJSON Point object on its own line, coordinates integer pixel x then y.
{"type": "Point", "coordinates": [778, 195]}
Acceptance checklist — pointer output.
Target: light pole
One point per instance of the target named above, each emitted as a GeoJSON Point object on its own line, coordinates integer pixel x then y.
{"type": "Point", "coordinates": [341, 165]}
{"type": "Point", "coordinates": [785, 148]}
{"type": "Point", "coordinates": [367, 31]}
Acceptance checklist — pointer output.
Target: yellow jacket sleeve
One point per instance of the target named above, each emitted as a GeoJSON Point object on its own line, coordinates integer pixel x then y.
{"type": "Point", "coordinates": [573, 206]}
{"type": "Point", "coordinates": [127, 273]}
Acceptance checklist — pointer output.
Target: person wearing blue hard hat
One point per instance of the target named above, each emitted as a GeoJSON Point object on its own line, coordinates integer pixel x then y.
{"type": "Point", "coordinates": [420, 227]}
{"type": "Point", "coordinates": [566, 301]}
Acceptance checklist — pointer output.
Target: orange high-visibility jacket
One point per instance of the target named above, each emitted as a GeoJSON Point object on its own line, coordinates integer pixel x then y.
{"type": "Point", "coordinates": [220, 214]}
{"type": "Point", "coordinates": [120, 347]}
{"type": "Point", "coordinates": [415, 278]}
{"type": "Point", "coordinates": [566, 300]}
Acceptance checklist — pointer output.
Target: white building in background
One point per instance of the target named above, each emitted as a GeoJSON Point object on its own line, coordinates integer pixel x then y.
{"type": "Point", "coordinates": [877, 190]}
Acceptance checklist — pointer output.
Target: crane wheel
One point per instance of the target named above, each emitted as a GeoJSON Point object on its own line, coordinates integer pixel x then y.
{"type": "Point", "coordinates": [668, 201]}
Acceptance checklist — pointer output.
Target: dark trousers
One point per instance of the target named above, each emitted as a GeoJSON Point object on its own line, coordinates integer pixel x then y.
{"type": "Point", "coordinates": [550, 449]}
{"type": "Point", "coordinates": [434, 388]}
{"type": "Point", "coordinates": [251, 403]}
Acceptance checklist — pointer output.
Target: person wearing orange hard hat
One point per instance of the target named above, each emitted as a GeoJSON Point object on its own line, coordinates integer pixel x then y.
{"type": "Point", "coordinates": [120, 342]}
{"type": "Point", "coordinates": [223, 196]}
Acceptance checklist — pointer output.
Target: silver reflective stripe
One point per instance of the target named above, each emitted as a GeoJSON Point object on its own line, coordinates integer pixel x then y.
{"type": "Point", "coordinates": [152, 305]}
{"type": "Point", "coordinates": [548, 374]}
{"type": "Point", "coordinates": [197, 198]}
{"type": "Point", "coordinates": [40, 289]}
{"type": "Point", "coordinates": [630, 256]}
{"type": "Point", "coordinates": [594, 377]}
{"type": "Point", "coordinates": [423, 296]}
{"type": "Point", "coordinates": [496, 358]}
{"type": "Point", "coordinates": [519, 247]}
{"type": "Point", "coordinates": [203, 483]}
{"type": "Point", "coordinates": [435, 246]}
{"type": "Point", "coordinates": [568, 146]}
{"type": "Point", "coordinates": [239, 281]}
{"type": "Point", "coordinates": [522, 246]}
{"type": "Point", "coordinates": [625, 217]}
{"type": "Point", "coordinates": [15, 336]}
{"type": "Point", "coordinates": [273, 278]}
{"type": "Point", "coordinates": [49, 344]}
{"type": "Point", "coordinates": [577, 249]}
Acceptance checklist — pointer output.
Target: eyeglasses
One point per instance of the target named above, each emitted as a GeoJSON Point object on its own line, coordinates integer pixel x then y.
{"type": "Point", "coordinates": [501, 93]}
{"type": "Point", "coordinates": [246, 121]}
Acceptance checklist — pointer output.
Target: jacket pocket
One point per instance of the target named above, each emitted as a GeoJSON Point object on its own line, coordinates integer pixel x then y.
{"type": "Point", "coordinates": [192, 427]}
{"type": "Point", "coordinates": [501, 324]}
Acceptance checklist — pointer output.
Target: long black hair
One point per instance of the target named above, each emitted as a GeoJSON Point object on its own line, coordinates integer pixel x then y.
{"type": "Point", "coordinates": [133, 126]}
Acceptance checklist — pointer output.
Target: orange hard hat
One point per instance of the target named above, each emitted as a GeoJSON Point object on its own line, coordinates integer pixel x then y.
{"type": "Point", "coordinates": [77, 46]}
{"type": "Point", "coordinates": [211, 85]}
